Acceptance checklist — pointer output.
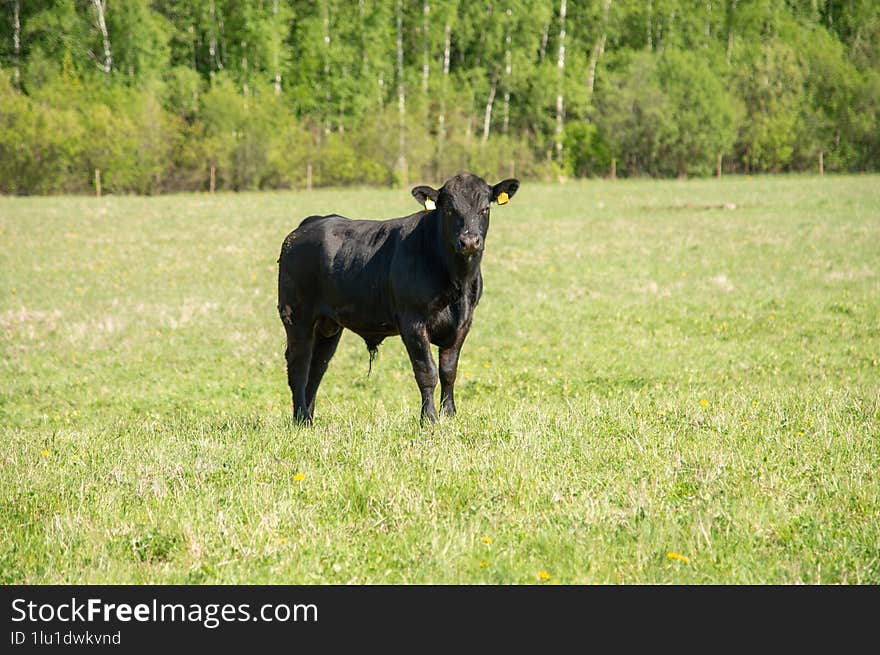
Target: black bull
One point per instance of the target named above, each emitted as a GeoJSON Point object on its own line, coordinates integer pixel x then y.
{"type": "Point", "coordinates": [416, 276]}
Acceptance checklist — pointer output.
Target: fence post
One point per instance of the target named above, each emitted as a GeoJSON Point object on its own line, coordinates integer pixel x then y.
{"type": "Point", "coordinates": [821, 164]}
{"type": "Point", "coordinates": [613, 168]}
{"type": "Point", "coordinates": [212, 184]}
{"type": "Point", "coordinates": [718, 167]}
{"type": "Point", "coordinates": [98, 182]}
{"type": "Point", "coordinates": [309, 177]}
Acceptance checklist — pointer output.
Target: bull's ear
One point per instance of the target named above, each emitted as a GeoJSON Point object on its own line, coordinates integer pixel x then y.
{"type": "Point", "coordinates": [503, 191]}
{"type": "Point", "coordinates": [426, 196]}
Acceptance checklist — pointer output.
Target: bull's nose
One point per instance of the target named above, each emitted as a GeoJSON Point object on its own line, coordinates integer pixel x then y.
{"type": "Point", "coordinates": [470, 243]}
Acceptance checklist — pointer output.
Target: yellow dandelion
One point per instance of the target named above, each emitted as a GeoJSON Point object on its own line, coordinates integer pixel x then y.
{"type": "Point", "coordinates": [704, 402]}
{"type": "Point", "coordinates": [772, 317]}
{"type": "Point", "coordinates": [487, 540]}
{"type": "Point", "coordinates": [745, 424]}
{"type": "Point", "coordinates": [809, 419]}
{"type": "Point", "coordinates": [44, 453]}
{"type": "Point", "coordinates": [484, 564]}
{"type": "Point", "coordinates": [678, 556]}
{"type": "Point", "coordinates": [299, 477]}
{"type": "Point", "coordinates": [754, 403]}
{"type": "Point", "coordinates": [543, 576]}
{"type": "Point", "coordinates": [486, 365]}
{"type": "Point", "coordinates": [559, 374]}
{"type": "Point", "coordinates": [800, 433]}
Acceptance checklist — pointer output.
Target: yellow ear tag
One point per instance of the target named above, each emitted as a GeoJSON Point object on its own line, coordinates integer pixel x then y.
{"type": "Point", "coordinates": [429, 204]}
{"type": "Point", "coordinates": [503, 198]}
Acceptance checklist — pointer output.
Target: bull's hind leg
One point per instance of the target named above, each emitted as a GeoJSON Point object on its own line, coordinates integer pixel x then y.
{"type": "Point", "coordinates": [300, 344]}
{"type": "Point", "coordinates": [322, 353]}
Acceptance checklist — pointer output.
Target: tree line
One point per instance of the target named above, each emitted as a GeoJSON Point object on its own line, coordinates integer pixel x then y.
{"type": "Point", "coordinates": [170, 95]}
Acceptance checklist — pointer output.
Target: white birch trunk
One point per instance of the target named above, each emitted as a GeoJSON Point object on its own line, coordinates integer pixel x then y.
{"type": "Point", "coordinates": [487, 117]}
{"type": "Point", "coordinates": [508, 69]}
{"type": "Point", "coordinates": [16, 44]}
{"type": "Point", "coordinates": [100, 8]}
{"type": "Point", "coordinates": [326, 69]}
{"type": "Point", "coordinates": [277, 53]}
{"type": "Point", "coordinates": [441, 120]}
{"type": "Point", "coordinates": [245, 89]}
{"type": "Point", "coordinates": [221, 46]}
{"type": "Point", "coordinates": [212, 36]}
{"type": "Point", "coordinates": [708, 27]}
{"type": "Point", "coordinates": [426, 61]}
{"type": "Point", "coordinates": [598, 50]}
{"type": "Point", "coordinates": [401, 97]}
{"type": "Point", "coordinates": [648, 26]}
{"type": "Point", "coordinates": [545, 36]}
{"type": "Point", "coordinates": [560, 99]}
{"type": "Point", "coordinates": [381, 83]}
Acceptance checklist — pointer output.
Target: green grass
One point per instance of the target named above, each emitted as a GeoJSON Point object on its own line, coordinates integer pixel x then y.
{"type": "Point", "coordinates": [648, 373]}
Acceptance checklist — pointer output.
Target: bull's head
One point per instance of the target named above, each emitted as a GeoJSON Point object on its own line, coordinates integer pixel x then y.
{"type": "Point", "coordinates": [463, 207]}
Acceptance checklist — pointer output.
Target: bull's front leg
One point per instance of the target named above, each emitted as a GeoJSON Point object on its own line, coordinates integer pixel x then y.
{"type": "Point", "coordinates": [448, 369]}
{"type": "Point", "coordinates": [415, 338]}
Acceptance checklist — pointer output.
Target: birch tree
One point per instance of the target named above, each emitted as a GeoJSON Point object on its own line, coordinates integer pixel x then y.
{"type": "Point", "coordinates": [426, 40]}
{"type": "Point", "coordinates": [487, 116]}
{"type": "Point", "coordinates": [325, 21]}
{"type": "Point", "coordinates": [444, 88]}
{"type": "Point", "coordinates": [598, 49]}
{"type": "Point", "coordinates": [16, 44]}
{"type": "Point", "coordinates": [276, 50]}
{"type": "Point", "coordinates": [100, 11]}
{"type": "Point", "coordinates": [213, 53]}
{"type": "Point", "coordinates": [508, 69]}
{"type": "Point", "coordinates": [560, 94]}
{"type": "Point", "coordinates": [401, 99]}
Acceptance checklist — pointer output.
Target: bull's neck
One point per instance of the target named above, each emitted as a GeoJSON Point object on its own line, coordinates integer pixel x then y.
{"type": "Point", "coordinates": [460, 269]}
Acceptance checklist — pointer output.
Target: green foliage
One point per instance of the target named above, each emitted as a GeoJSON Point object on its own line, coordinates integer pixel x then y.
{"type": "Point", "coordinates": [637, 117]}
{"type": "Point", "coordinates": [587, 154]}
{"type": "Point", "coordinates": [262, 90]}
{"type": "Point", "coordinates": [667, 114]}
{"type": "Point", "coordinates": [770, 84]}
{"type": "Point", "coordinates": [702, 112]}
{"type": "Point", "coordinates": [40, 146]}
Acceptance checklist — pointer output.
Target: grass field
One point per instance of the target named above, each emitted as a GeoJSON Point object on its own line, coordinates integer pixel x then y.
{"type": "Point", "coordinates": [656, 389]}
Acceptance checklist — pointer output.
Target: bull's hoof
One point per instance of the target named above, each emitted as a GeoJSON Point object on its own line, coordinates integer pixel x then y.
{"type": "Point", "coordinates": [428, 419]}
{"type": "Point", "coordinates": [300, 418]}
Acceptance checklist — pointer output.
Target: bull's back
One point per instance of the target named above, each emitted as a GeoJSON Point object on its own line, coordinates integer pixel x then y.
{"type": "Point", "coordinates": [341, 268]}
